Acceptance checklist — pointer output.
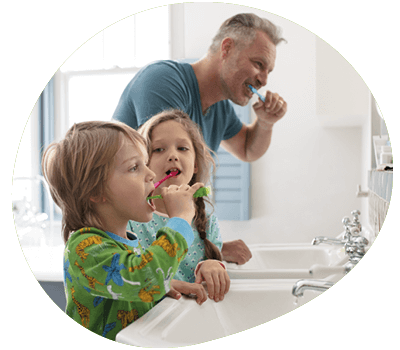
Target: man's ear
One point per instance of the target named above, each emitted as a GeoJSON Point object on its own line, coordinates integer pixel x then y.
{"type": "Point", "coordinates": [226, 47]}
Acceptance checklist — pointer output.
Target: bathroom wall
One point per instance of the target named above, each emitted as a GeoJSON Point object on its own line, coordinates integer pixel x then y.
{"type": "Point", "coordinates": [306, 182]}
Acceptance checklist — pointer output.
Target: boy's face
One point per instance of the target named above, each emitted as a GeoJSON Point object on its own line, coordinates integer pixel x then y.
{"type": "Point", "coordinates": [172, 148]}
{"type": "Point", "coordinates": [130, 183]}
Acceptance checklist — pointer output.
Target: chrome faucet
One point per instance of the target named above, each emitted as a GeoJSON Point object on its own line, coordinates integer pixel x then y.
{"type": "Point", "coordinates": [319, 285]}
{"type": "Point", "coordinates": [333, 241]}
{"type": "Point", "coordinates": [354, 244]}
{"type": "Point", "coordinates": [355, 249]}
{"type": "Point", "coordinates": [352, 228]}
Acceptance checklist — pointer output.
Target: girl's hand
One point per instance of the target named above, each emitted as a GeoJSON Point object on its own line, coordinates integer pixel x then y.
{"type": "Point", "coordinates": [216, 278]}
{"type": "Point", "coordinates": [180, 287]}
{"type": "Point", "coordinates": [179, 202]}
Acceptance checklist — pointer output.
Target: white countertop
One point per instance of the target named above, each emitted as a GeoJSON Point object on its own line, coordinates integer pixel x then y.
{"type": "Point", "coordinates": [46, 263]}
{"type": "Point", "coordinates": [44, 251]}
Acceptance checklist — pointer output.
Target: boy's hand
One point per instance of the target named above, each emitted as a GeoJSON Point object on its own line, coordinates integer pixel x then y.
{"type": "Point", "coordinates": [216, 278]}
{"type": "Point", "coordinates": [179, 202]}
{"type": "Point", "coordinates": [181, 287]}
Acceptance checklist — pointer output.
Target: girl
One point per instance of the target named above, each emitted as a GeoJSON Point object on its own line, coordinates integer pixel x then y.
{"type": "Point", "coordinates": [174, 142]}
{"type": "Point", "coordinates": [99, 178]}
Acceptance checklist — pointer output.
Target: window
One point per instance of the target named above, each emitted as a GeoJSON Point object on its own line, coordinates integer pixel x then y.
{"type": "Point", "coordinates": [87, 87]}
{"type": "Point", "coordinates": [131, 42]}
{"type": "Point", "coordinates": [92, 80]}
{"type": "Point", "coordinates": [94, 97]}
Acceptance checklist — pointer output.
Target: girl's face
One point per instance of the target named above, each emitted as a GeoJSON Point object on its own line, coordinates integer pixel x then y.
{"type": "Point", "coordinates": [172, 149]}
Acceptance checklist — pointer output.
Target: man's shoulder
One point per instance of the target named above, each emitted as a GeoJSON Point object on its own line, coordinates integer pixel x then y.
{"type": "Point", "coordinates": [162, 75]}
{"type": "Point", "coordinates": [165, 65]}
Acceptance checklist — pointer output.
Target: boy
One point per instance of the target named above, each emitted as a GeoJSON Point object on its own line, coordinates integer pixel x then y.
{"type": "Point", "coordinates": [99, 178]}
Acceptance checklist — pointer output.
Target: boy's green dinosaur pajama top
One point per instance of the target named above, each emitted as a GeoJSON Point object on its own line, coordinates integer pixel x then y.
{"type": "Point", "coordinates": [111, 281]}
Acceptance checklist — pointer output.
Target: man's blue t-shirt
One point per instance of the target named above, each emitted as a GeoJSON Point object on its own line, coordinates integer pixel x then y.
{"type": "Point", "coordinates": [169, 84]}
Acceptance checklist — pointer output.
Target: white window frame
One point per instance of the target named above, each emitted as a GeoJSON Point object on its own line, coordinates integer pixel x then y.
{"type": "Point", "coordinates": [62, 79]}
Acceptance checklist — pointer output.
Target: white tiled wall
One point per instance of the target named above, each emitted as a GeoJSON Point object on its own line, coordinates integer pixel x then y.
{"type": "Point", "coordinates": [380, 190]}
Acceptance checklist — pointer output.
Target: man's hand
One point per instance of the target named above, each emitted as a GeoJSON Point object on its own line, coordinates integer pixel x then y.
{"type": "Point", "coordinates": [252, 141]}
{"type": "Point", "coordinates": [236, 252]}
{"type": "Point", "coordinates": [270, 111]}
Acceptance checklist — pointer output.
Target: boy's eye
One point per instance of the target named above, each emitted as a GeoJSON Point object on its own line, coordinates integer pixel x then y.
{"type": "Point", "coordinates": [158, 150]}
{"type": "Point", "coordinates": [134, 168]}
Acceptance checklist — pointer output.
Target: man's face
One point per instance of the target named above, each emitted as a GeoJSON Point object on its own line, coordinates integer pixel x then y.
{"type": "Point", "coordinates": [250, 64]}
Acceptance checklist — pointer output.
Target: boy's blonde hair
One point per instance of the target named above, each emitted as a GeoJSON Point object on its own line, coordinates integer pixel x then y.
{"type": "Point", "coordinates": [77, 169]}
{"type": "Point", "coordinates": [205, 165]}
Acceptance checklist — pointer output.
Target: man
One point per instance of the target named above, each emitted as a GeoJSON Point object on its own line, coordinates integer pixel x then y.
{"type": "Point", "coordinates": [242, 53]}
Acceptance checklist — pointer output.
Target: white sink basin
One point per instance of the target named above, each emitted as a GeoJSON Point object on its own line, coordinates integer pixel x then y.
{"type": "Point", "coordinates": [290, 261]}
{"type": "Point", "coordinates": [248, 303]}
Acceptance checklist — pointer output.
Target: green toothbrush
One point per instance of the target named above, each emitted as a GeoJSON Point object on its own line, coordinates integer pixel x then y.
{"type": "Point", "coordinates": [201, 192]}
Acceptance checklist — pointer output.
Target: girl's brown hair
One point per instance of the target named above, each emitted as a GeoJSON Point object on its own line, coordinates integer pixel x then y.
{"type": "Point", "coordinates": [205, 164]}
{"type": "Point", "coordinates": [78, 167]}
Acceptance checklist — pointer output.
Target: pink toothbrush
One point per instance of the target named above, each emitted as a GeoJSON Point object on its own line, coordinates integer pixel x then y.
{"type": "Point", "coordinates": [171, 174]}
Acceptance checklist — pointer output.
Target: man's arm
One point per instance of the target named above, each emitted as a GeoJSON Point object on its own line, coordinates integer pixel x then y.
{"type": "Point", "coordinates": [236, 252]}
{"type": "Point", "coordinates": [250, 143]}
{"type": "Point", "coordinates": [253, 140]}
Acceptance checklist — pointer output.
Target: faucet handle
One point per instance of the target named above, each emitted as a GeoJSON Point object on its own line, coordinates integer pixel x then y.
{"type": "Point", "coordinates": [356, 214]}
{"type": "Point", "coordinates": [347, 234]}
{"type": "Point", "coordinates": [346, 222]}
{"type": "Point", "coordinates": [356, 222]}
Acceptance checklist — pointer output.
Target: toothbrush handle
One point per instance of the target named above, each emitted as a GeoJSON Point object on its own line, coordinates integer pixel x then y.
{"type": "Point", "coordinates": [162, 180]}
{"type": "Point", "coordinates": [262, 98]}
{"type": "Point", "coordinates": [160, 196]}
{"type": "Point", "coordinates": [165, 178]}
{"type": "Point", "coordinates": [155, 197]}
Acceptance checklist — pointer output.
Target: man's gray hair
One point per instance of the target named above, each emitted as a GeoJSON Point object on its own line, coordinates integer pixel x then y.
{"type": "Point", "coordinates": [242, 28]}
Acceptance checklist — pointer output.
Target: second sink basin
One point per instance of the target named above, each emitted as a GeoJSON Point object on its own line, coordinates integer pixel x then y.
{"type": "Point", "coordinates": [290, 261]}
